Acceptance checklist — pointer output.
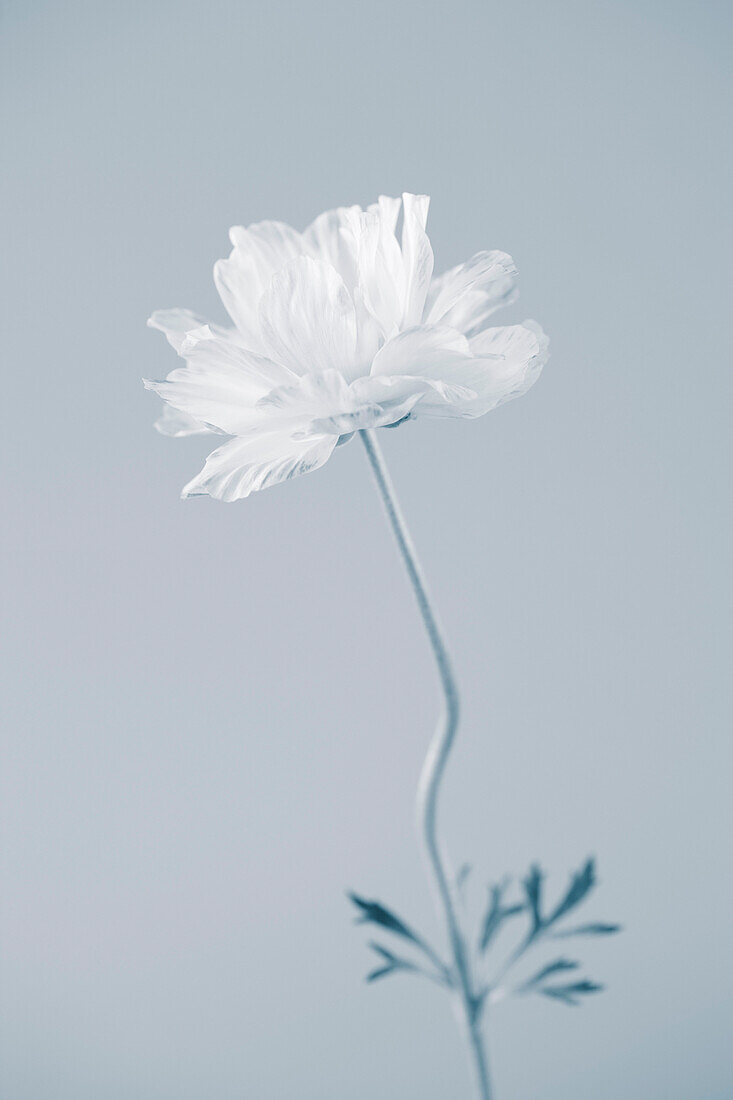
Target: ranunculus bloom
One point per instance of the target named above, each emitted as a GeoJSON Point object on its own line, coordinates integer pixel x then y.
{"type": "Point", "coordinates": [336, 329]}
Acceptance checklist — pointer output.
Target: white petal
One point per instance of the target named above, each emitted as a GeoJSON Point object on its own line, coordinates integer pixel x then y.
{"type": "Point", "coordinates": [328, 404]}
{"type": "Point", "coordinates": [389, 399]}
{"type": "Point", "coordinates": [426, 351]}
{"type": "Point", "coordinates": [308, 320]}
{"type": "Point", "coordinates": [220, 384]}
{"type": "Point", "coordinates": [467, 377]}
{"type": "Point", "coordinates": [508, 361]}
{"type": "Point", "coordinates": [467, 295]}
{"type": "Point", "coordinates": [239, 289]}
{"type": "Point", "coordinates": [203, 346]}
{"type": "Point", "coordinates": [325, 240]}
{"type": "Point", "coordinates": [176, 323]}
{"type": "Point", "coordinates": [333, 239]}
{"type": "Point", "coordinates": [389, 211]}
{"type": "Point", "coordinates": [513, 357]}
{"type": "Point", "coordinates": [243, 466]}
{"type": "Point", "coordinates": [400, 396]}
{"type": "Point", "coordinates": [270, 245]}
{"type": "Point", "coordinates": [417, 257]}
{"type": "Point", "coordinates": [380, 270]}
{"type": "Point", "coordinates": [308, 396]}
{"type": "Point", "coordinates": [172, 422]}
{"type": "Point", "coordinates": [368, 335]}
{"type": "Point", "coordinates": [394, 279]}
{"type": "Point", "coordinates": [259, 251]}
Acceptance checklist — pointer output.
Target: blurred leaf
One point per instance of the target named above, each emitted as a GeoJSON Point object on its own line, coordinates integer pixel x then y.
{"type": "Point", "coordinates": [372, 912]}
{"type": "Point", "coordinates": [496, 914]}
{"type": "Point", "coordinates": [512, 910]}
{"type": "Point", "coordinates": [462, 876]}
{"type": "Point", "coordinates": [492, 918]}
{"type": "Point", "coordinates": [380, 972]}
{"type": "Point", "coordinates": [598, 929]}
{"type": "Point", "coordinates": [581, 883]}
{"type": "Point", "coordinates": [569, 993]}
{"type": "Point", "coordinates": [552, 968]}
{"type": "Point", "coordinates": [560, 994]}
{"type": "Point", "coordinates": [386, 954]}
{"type": "Point", "coordinates": [533, 889]}
{"type": "Point", "coordinates": [542, 927]}
{"type": "Point", "coordinates": [392, 963]}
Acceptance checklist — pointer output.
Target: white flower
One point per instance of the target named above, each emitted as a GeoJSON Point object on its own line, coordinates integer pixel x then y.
{"type": "Point", "coordinates": [337, 329]}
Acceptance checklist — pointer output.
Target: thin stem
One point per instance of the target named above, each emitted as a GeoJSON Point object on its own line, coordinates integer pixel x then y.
{"type": "Point", "coordinates": [435, 763]}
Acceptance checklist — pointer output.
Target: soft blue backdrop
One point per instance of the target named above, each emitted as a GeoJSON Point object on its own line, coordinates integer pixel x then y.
{"type": "Point", "coordinates": [215, 714]}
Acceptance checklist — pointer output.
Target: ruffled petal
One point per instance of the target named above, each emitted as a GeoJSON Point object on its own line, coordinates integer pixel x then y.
{"type": "Point", "coordinates": [176, 323]}
{"type": "Point", "coordinates": [394, 279]}
{"type": "Point", "coordinates": [244, 466]}
{"type": "Point", "coordinates": [467, 295]}
{"type": "Point", "coordinates": [329, 404]}
{"type": "Point", "coordinates": [461, 377]}
{"type": "Point", "coordinates": [269, 245]}
{"type": "Point", "coordinates": [426, 351]}
{"type": "Point", "coordinates": [380, 294]}
{"type": "Point", "coordinates": [507, 361]}
{"type": "Point", "coordinates": [511, 359]}
{"type": "Point", "coordinates": [325, 240]}
{"type": "Point", "coordinates": [259, 251]}
{"type": "Point", "coordinates": [308, 319]}
{"type": "Point", "coordinates": [174, 423]}
{"type": "Point", "coordinates": [387, 212]}
{"type": "Point", "coordinates": [238, 286]}
{"type": "Point", "coordinates": [394, 397]}
{"type": "Point", "coordinates": [308, 396]}
{"type": "Point", "coordinates": [220, 384]}
{"type": "Point", "coordinates": [417, 257]}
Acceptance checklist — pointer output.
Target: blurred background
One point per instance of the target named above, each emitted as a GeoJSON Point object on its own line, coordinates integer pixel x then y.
{"type": "Point", "coordinates": [214, 715]}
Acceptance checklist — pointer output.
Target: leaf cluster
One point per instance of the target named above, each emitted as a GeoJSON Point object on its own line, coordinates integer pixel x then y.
{"type": "Point", "coordinates": [545, 923]}
{"type": "Point", "coordinates": [431, 965]}
{"type": "Point", "coordinates": [556, 980]}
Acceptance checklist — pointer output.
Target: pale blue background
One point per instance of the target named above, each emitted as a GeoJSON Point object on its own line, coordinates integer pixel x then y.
{"type": "Point", "coordinates": [215, 715]}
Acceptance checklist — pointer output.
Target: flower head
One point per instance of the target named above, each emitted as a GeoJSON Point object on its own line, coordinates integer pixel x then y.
{"type": "Point", "coordinates": [337, 329]}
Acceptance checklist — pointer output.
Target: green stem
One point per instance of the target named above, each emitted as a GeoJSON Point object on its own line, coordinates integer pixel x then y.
{"type": "Point", "coordinates": [434, 766]}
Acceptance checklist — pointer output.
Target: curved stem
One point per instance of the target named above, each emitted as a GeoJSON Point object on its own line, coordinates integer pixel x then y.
{"type": "Point", "coordinates": [435, 763]}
